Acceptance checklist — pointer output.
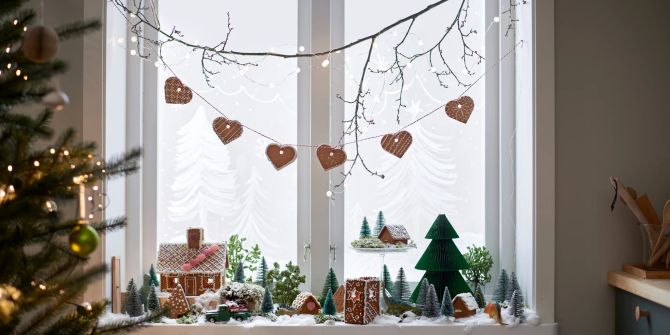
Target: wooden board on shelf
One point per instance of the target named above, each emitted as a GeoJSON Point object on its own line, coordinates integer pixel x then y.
{"type": "Point", "coordinates": [643, 272]}
{"type": "Point", "coordinates": [116, 285]}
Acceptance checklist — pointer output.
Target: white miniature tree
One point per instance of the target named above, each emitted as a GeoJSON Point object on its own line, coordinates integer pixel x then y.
{"type": "Point", "coordinates": [204, 189]}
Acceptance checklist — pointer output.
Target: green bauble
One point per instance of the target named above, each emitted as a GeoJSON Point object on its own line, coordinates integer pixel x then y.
{"type": "Point", "coordinates": [83, 240]}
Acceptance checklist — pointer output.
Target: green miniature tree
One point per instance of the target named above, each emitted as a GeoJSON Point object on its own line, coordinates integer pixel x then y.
{"type": "Point", "coordinates": [479, 296]}
{"type": "Point", "coordinates": [329, 307]}
{"type": "Point", "coordinates": [513, 286]}
{"type": "Point", "coordinates": [386, 279]}
{"type": "Point", "coordinates": [267, 306]}
{"type": "Point", "coordinates": [516, 306]}
{"type": "Point", "coordinates": [401, 288]}
{"type": "Point", "coordinates": [500, 293]}
{"type": "Point", "coordinates": [431, 308]}
{"type": "Point", "coordinates": [423, 292]}
{"type": "Point", "coordinates": [284, 283]}
{"type": "Point", "coordinates": [442, 260]}
{"type": "Point", "coordinates": [239, 273]}
{"type": "Point", "coordinates": [365, 229]}
{"type": "Point", "coordinates": [261, 276]}
{"type": "Point", "coordinates": [480, 261]}
{"type": "Point", "coordinates": [153, 304]}
{"type": "Point", "coordinates": [133, 301]}
{"type": "Point", "coordinates": [154, 277]}
{"type": "Point", "coordinates": [331, 284]}
{"type": "Point", "coordinates": [144, 289]}
{"type": "Point", "coordinates": [447, 308]}
{"type": "Point", "coordinates": [381, 222]}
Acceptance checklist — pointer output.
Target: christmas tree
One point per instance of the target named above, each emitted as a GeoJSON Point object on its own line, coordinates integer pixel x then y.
{"type": "Point", "coordinates": [386, 279]}
{"type": "Point", "coordinates": [512, 286]}
{"type": "Point", "coordinates": [154, 277]}
{"type": "Point", "coordinates": [401, 288]}
{"type": "Point", "coordinates": [516, 306]}
{"type": "Point", "coordinates": [262, 275]}
{"type": "Point", "coordinates": [431, 308]}
{"type": "Point", "coordinates": [133, 304]}
{"type": "Point", "coordinates": [423, 292]}
{"type": "Point", "coordinates": [239, 273]}
{"type": "Point", "coordinates": [442, 260]}
{"type": "Point", "coordinates": [153, 304]}
{"type": "Point", "coordinates": [365, 229]}
{"type": "Point", "coordinates": [381, 222]}
{"type": "Point", "coordinates": [41, 173]}
{"type": "Point", "coordinates": [500, 293]}
{"type": "Point", "coordinates": [144, 289]}
{"type": "Point", "coordinates": [331, 284]}
{"type": "Point", "coordinates": [329, 307]}
{"type": "Point", "coordinates": [267, 306]}
{"type": "Point", "coordinates": [447, 308]}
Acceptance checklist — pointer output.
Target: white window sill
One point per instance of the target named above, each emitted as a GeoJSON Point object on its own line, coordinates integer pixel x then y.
{"type": "Point", "coordinates": [399, 329]}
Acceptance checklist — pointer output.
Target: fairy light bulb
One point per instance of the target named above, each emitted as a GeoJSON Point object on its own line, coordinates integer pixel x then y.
{"type": "Point", "coordinates": [297, 70]}
{"type": "Point", "coordinates": [95, 188]}
{"type": "Point", "coordinates": [119, 40]}
{"type": "Point", "coordinates": [52, 151]}
{"type": "Point", "coordinates": [325, 63]}
{"type": "Point", "coordinates": [133, 39]}
{"type": "Point", "coordinates": [496, 19]}
{"type": "Point", "coordinates": [16, 21]}
{"type": "Point", "coordinates": [133, 52]}
{"type": "Point", "coordinates": [36, 163]}
{"type": "Point", "coordinates": [459, 105]}
{"type": "Point", "coordinates": [10, 168]}
{"type": "Point", "coordinates": [18, 72]}
{"type": "Point", "coordinates": [329, 193]}
{"type": "Point", "coordinates": [301, 48]}
{"type": "Point", "coordinates": [66, 153]}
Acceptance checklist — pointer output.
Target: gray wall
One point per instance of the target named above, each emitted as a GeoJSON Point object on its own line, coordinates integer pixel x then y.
{"type": "Point", "coordinates": [612, 118]}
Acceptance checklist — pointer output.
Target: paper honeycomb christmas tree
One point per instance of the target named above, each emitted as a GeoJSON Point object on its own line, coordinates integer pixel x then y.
{"type": "Point", "coordinates": [442, 260]}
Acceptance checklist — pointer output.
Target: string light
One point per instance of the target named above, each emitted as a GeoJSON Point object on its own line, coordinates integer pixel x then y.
{"type": "Point", "coordinates": [329, 193]}
{"type": "Point", "coordinates": [133, 39]}
{"type": "Point", "coordinates": [25, 28]}
{"type": "Point", "coordinates": [52, 151]}
{"type": "Point", "coordinates": [66, 153]}
{"type": "Point", "coordinates": [10, 168]}
{"type": "Point", "coordinates": [301, 48]}
{"type": "Point", "coordinates": [133, 52]}
{"type": "Point", "coordinates": [36, 163]}
{"type": "Point", "coordinates": [16, 21]}
{"type": "Point", "coordinates": [119, 40]}
{"type": "Point", "coordinates": [496, 19]}
{"type": "Point", "coordinates": [7, 50]}
{"type": "Point", "coordinates": [325, 63]}
{"type": "Point", "coordinates": [95, 188]}
{"type": "Point", "coordinates": [25, 77]}
{"type": "Point", "coordinates": [18, 72]}
{"type": "Point", "coordinates": [9, 65]}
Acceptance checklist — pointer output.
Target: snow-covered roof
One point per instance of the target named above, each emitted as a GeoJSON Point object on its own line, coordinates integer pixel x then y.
{"type": "Point", "coordinates": [468, 299]}
{"type": "Point", "coordinates": [171, 257]}
{"type": "Point", "coordinates": [398, 232]}
{"type": "Point", "coordinates": [302, 298]}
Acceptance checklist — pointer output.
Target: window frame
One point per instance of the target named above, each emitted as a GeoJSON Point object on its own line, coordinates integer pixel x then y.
{"type": "Point", "coordinates": [138, 243]}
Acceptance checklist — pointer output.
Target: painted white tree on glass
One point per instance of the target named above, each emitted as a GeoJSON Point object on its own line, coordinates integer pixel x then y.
{"type": "Point", "coordinates": [204, 189]}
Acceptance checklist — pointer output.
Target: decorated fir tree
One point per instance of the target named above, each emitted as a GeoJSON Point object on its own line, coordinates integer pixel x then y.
{"type": "Point", "coordinates": [267, 306]}
{"type": "Point", "coordinates": [423, 292]}
{"type": "Point", "coordinates": [379, 224]}
{"type": "Point", "coordinates": [154, 277]}
{"type": "Point", "coordinates": [447, 308]}
{"type": "Point", "coordinates": [401, 288]}
{"type": "Point", "coordinates": [431, 308]}
{"type": "Point", "coordinates": [329, 307]}
{"type": "Point", "coordinates": [133, 304]}
{"type": "Point", "coordinates": [386, 279]}
{"type": "Point", "coordinates": [261, 276]}
{"type": "Point", "coordinates": [330, 284]}
{"type": "Point", "coordinates": [500, 293]}
{"type": "Point", "coordinates": [239, 273]}
{"type": "Point", "coordinates": [365, 229]}
{"type": "Point", "coordinates": [512, 286]}
{"type": "Point", "coordinates": [42, 172]}
{"type": "Point", "coordinates": [442, 260]}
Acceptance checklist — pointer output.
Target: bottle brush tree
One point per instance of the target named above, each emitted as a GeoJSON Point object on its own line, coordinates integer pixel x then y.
{"type": "Point", "coordinates": [512, 286]}
{"type": "Point", "coordinates": [447, 308]}
{"type": "Point", "coordinates": [329, 307]}
{"type": "Point", "coordinates": [133, 301]}
{"type": "Point", "coordinates": [386, 279]}
{"type": "Point", "coordinates": [239, 273]}
{"type": "Point", "coordinates": [365, 229]}
{"type": "Point", "coordinates": [153, 304]}
{"type": "Point", "coordinates": [144, 289]}
{"type": "Point", "coordinates": [423, 292]}
{"type": "Point", "coordinates": [330, 284]}
{"type": "Point", "coordinates": [500, 293]}
{"type": "Point", "coordinates": [261, 276]}
{"type": "Point", "coordinates": [516, 306]}
{"type": "Point", "coordinates": [154, 277]}
{"type": "Point", "coordinates": [431, 308]}
{"type": "Point", "coordinates": [267, 306]}
{"type": "Point", "coordinates": [379, 224]}
{"type": "Point", "coordinates": [442, 260]}
{"type": "Point", "coordinates": [401, 288]}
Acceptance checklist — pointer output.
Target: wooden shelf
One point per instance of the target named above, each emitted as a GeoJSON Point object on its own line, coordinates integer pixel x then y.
{"type": "Point", "coordinates": [656, 290]}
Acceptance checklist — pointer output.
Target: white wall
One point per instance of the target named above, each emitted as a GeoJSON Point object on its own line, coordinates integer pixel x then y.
{"type": "Point", "coordinates": [612, 117]}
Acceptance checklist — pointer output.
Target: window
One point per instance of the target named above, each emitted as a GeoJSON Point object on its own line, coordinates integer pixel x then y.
{"type": "Point", "coordinates": [471, 173]}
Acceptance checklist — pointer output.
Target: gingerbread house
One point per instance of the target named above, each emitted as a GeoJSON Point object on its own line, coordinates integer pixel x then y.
{"type": "Point", "coordinates": [306, 303]}
{"type": "Point", "coordinates": [361, 300]}
{"type": "Point", "coordinates": [194, 265]}
{"type": "Point", "coordinates": [339, 299]}
{"type": "Point", "coordinates": [464, 305]}
{"type": "Point", "coordinates": [394, 234]}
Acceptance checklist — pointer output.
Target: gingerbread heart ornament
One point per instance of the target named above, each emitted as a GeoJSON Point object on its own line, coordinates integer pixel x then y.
{"type": "Point", "coordinates": [460, 109]}
{"type": "Point", "coordinates": [398, 143]}
{"type": "Point", "coordinates": [280, 155]}
{"type": "Point", "coordinates": [330, 157]}
{"type": "Point", "coordinates": [176, 92]}
{"type": "Point", "coordinates": [227, 130]}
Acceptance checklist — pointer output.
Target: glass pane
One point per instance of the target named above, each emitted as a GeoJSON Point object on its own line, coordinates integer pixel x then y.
{"type": "Point", "coordinates": [229, 189]}
{"type": "Point", "coordinates": [443, 170]}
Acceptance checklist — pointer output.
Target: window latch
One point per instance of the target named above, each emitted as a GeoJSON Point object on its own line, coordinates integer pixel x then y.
{"type": "Point", "coordinates": [333, 248]}
{"type": "Point", "coordinates": [304, 251]}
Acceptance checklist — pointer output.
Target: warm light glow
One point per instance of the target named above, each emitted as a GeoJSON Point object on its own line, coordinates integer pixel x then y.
{"type": "Point", "coordinates": [325, 63]}
{"type": "Point", "coordinates": [66, 153]}
{"type": "Point", "coordinates": [95, 188]}
{"type": "Point", "coordinates": [36, 163]}
{"type": "Point", "coordinates": [18, 72]}
{"type": "Point", "coordinates": [133, 39]}
{"type": "Point", "coordinates": [301, 48]}
{"type": "Point", "coordinates": [10, 168]}
{"type": "Point", "coordinates": [52, 151]}
{"type": "Point", "coordinates": [16, 21]}
{"type": "Point", "coordinates": [496, 19]}
{"type": "Point", "coordinates": [133, 52]}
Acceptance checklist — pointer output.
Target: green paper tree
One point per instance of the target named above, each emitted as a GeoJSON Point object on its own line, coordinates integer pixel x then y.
{"type": "Point", "coordinates": [401, 288]}
{"type": "Point", "coordinates": [447, 308]}
{"type": "Point", "coordinates": [381, 222]}
{"type": "Point", "coordinates": [500, 293]}
{"type": "Point", "coordinates": [239, 273]}
{"type": "Point", "coordinates": [329, 307]}
{"type": "Point", "coordinates": [386, 279]}
{"type": "Point", "coordinates": [267, 306]}
{"type": "Point", "coordinates": [330, 284]}
{"type": "Point", "coordinates": [442, 260]}
{"type": "Point", "coordinates": [154, 276]}
{"type": "Point", "coordinates": [365, 229]}
{"type": "Point", "coordinates": [261, 276]}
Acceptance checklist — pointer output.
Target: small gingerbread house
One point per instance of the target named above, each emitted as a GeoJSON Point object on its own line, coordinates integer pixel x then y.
{"type": "Point", "coordinates": [338, 297]}
{"type": "Point", "coordinates": [306, 303]}
{"type": "Point", "coordinates": [394, 234]}
{"type": "Point", "coordinates": [194, 265]}
{"type": "Point", "coordinates": [464, 305]}
{"type": "Point", "coordinates": [361, 300]}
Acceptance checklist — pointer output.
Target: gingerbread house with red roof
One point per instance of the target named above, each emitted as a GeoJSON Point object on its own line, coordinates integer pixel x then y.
{"type": "Point", "coordinates": [194, 265]}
